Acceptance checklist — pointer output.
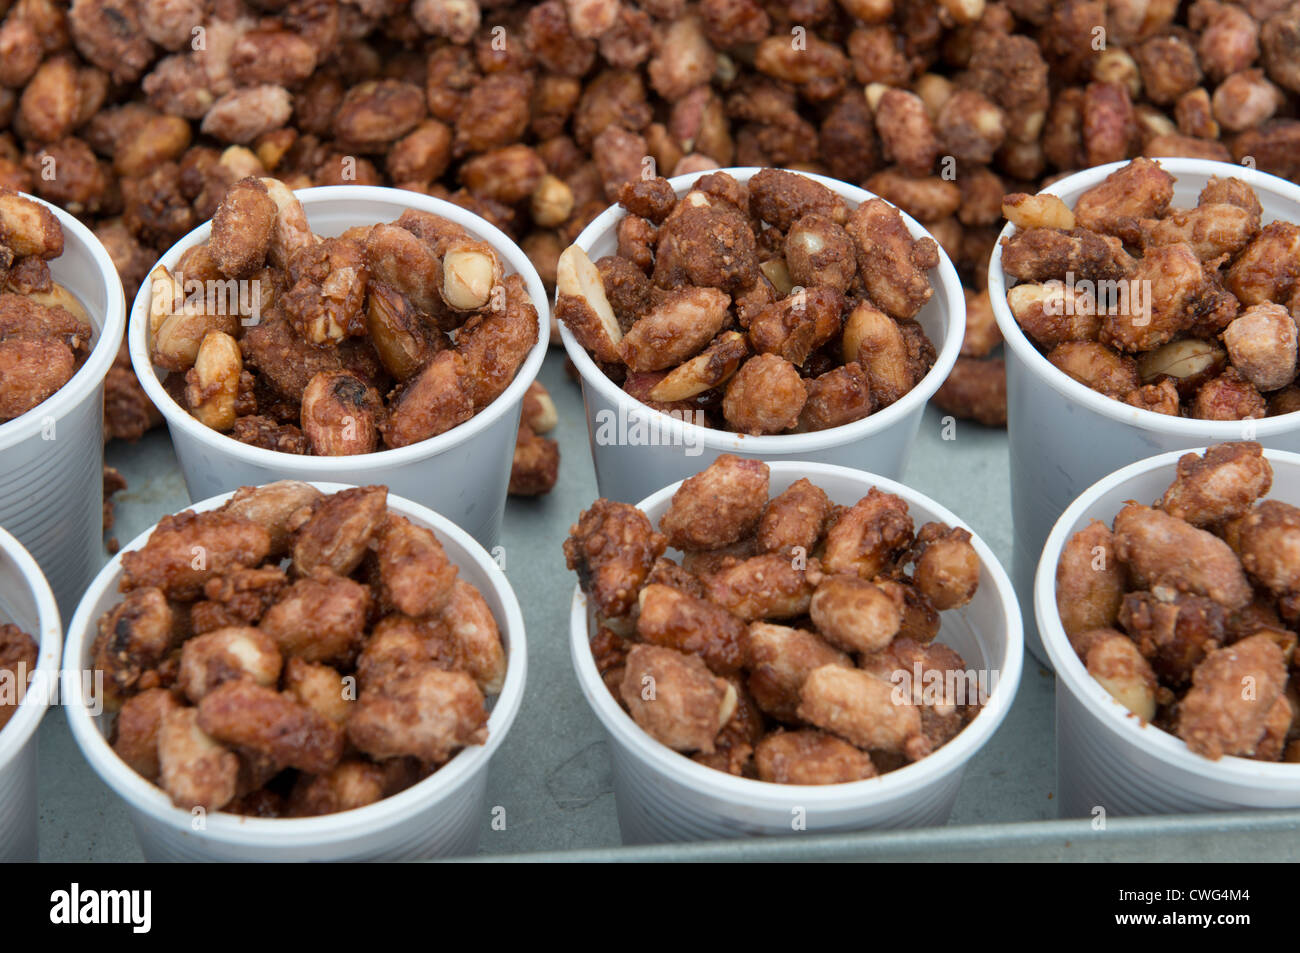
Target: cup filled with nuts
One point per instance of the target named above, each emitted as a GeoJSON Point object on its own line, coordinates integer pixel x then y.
{"type": "Point", "coordinates": [1167, 601]}
{"type": "Point", "coordinates": [31, 639]}
{"type": "Point", "coordinates": [345, 333]}
{"type": "Point", "coordinates": [61, 323]}
{"type": "Point", "coordinates": [760, 312]}
{"type": "Point", "coordinates": [788, 646]}
{"type": "Point", "coordinates": [298, 671]}
{"type": "Point", "coordinates": [1146, 306]}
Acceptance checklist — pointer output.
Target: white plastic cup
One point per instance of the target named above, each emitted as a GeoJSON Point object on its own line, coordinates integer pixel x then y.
{"type": "Point", "coordinates": [462, 474]}
{"type": "Point", "coordinates": [1106, 757]}
{"type": "Point", "coordinates": [664, 796]}
{"type": "Point", "coordinates": [1065, 435]}
{"type": "Point", "coordinates": [52, 457]}
{"type": "Point", "coordinates": [440, 816]}
{"type": "Point", "coordinates": [880, 443]}
{"type": "Point", "coordinates": [27, 602]}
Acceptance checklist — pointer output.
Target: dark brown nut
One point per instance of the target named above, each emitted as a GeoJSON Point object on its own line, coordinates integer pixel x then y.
{"type": "Point", "coordinates": [818, 67]}
{"type": "Point", "coordinates": [278, 57]}
{"type": "Point", "coordinates": [242, 115]}
{"type": "Point", "coordinates": [1053, 312]}
{"type": "Point", "coordinates": [612, 548]}
{"type": "Point", "coordinates": [676, 329]}
{"type": "Point", "coordinates": [1228, 397]}
{"type": "Point", "coordinates": [718, 506]}
{"type": "Point", "coordinates": [1159, 398]}
{"type": "Point", "coordinates": [494, 113]}
{"type": "Point", "coordinates": [713, 242]}
{"type": "Point", "coordinates": [1169, 68]}
{"type": "Point", "coordinates": [906, 133]}
{"type": "Point", "coordinates": [133, 638]}
{"type": "Point", "coordinates": [1097, 366]}
{"type": "Point", "coordinates": [218, 656]}
{"type": "Point", "coordinates": [970, 126]}
{"type": "Point", "coordinates": [794, 327]}
{"type": "Point", "coordinates": [1217, 717]}
{"type": "Point", "coordinates": [1162, 550]}
{"type": "Point", "coordinates": [1116, 206]}
{"type": "Point", "coordinates": [840, 396]}
{"type": "Point", "coordinates": [765, 396]}
{"type": "Point", "coordinates": [1114, 661]}
{"type": "Point", "coordinates": [810, 757]}
{"type": "Point", "coordinates": [194, 770]}
{"type": "Point", "coordinates": [975, 390]}
{"type": "Point", "coordinates": [613, 97]}
{"type": "Point", "coordinates": [242, 228]}
{"type": "Point", "coordinates": [862, 709]}
{"type": "Point", "coordinates": [1266, 270]}
{"type": "Point", "coordinates": [376, 113]}
{"type": "Point", "coordinates": [1089, 580]}
{"type": "Point", "coordinates": [398, 259]}
{"type": "Point", "coordinates": [1011, 72]}
{"type": "Point", "coordinates": [433, 402]}
{"type": "Point", "coordinates": [135, 733]}
{"type": "Point", "coordinates": [780, 659]}
{"type": "Point", "coordinates": [251, 716]}
{"type": "Point", "coordinates": [340, 414]}
{"type": "Point", "coordinates": [687, 623]}
{"type": "Point", "coordinates": [794, 519]}
{"type": "Point", "coordinates": [274, 506]}
{"type": "Point", "coordinates": [1279, 38]}
{"type": "Point", "coordinates": [1220, 485]}
{"type": "Point", "coordinates": [535, 466]}
{"type": "Point", "coordinates": [1109, 123]}
{"type": "Point", "coordinates": [325, 302]}
{"type": "Point", "coordinates": [1039, 254]}
{"type": "Point", "coordinates": [869, 536]}
{"type": "Point", "coordinates": [33, 369]}
{"type": "Point", "coordinates": [760, 587]}
{"type": "Point", "coordinates": [1173, 634]}
{"type": "Point", "coordinates": [108, 33]}
{"type": "Point", "coordinates": [397, 722]}
{"type": "Point", "coordinates": [186, 550]}
{"type": "Point", "coordinates": [875, 341]}
{"type": "Point", "coordinates": [675, 698]}
{"type": "Point", "coordinates": [781, 198]}
{"type": "Point", "coordinates": [339, 531]}
{"type": "Point", "coordinates": [504, 175]}
{"type": "Point", "coordinates": [626, 287]}
{"type": "Point", "coordinates": [495, 345]}
{"type": "Point", "coordinates": [1261, 344]}
{"type": "Point", "coordinates": [637, 239]}
{"type": "Point", "coordinates": [650, 199]}
{"type": "Point", "coordinates": [422, 155]}
{"type": "Point", "coordinates": [891, 263]}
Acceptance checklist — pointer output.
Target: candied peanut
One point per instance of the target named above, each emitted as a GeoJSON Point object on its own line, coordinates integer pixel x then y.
{"type": "Point", "coordinates": [194, 770]}
{"type": "Point", "coordinates": [1217, 717]}
{"type": "Point", "coordinates": [277, 726]}
{"type": "Point", "coordinates": [948, 568]}
{"type": "Point", "coordinates": [675, 698]}
{"type": "Point", "coordinates": [1261, 344]}
{"type": "Point", "coordinates": [1268, 535]}
{"type": "Point", "coordinates": [329, 285]}
{"type": "Point", "coordinates": [133, 638]}
{"type": "Point", "coordinates": [765, 396]}
{"type": "Point", "coordinates": [1115, 206]}
{"type": "Point", "coordinates": [1115, 662]}
{"type": "Point", "coordinates": [793, 519]}
{"type": "Point", "coordinates": [273, 506]}
{"type": "Point", "coordinates": [718, 506]}
{"type": "Point", "coordinates": [1097, 366]}
{"type": "Point", "coordinates": [28, 228]}
{"type": "Point", "coordinates": [340, 414]}
{"type": "Point", "coordinates": [854, 615]}
{"type": "Point", "coordinates": [136, 730]}
{"type": "Point", "coordinates": [840, 396]}
{"type": "Point", "coordinates": [1037, 211]}
{"type": "Point", "coordinates": [218, 656]}
{"type": "Point", "coordinates": [338, 531]}
{"type": "Point", "coordinates": [810, 757]}
{"type": "Point", "coordinates": [1221, 485]}
{"type": "Point", "coordinates": [186, 550]}
{"type": "Point", "coordinates": [403, 341]}
{"type": "Point", "coordinates": [797, 325]}
{"type": "Point", "coordinates": [33, 370]}
{"type": "Point", "coordinates": [781, 198]}
{"type": "Point", "coordinates": [496, 344]}
{"type": "Point", "coordinates": [212, 384]}
{"type": "Point", "coordinates": [470, 270]}
{"type": "Point", "coordinates": [687, 623]}
{"type": "Point", "coordinates": [1038, 254]}
{"type": "Point", "coordinates": [1052, 313]}
{"type": "Point", "coordinates": [975, 390]}
{"type": "Point", "coordinates": [868, 537]}
{"type": "Point", "coordinates": [612, 548]}
{"type": "Point", "coordinates": [1190, 362]}
{"type": "Point", "coordinates": [1228, 397]}
{"type": "Point", "coordinates": [818, 253]}
{"type": "Point", "coordinates": [1266, 269]}
{"type": "Point", "coordinates": [319, 619]}
{"type": "Point", "coordinates": [1089, 580]}
{"type": "Point", "coordinates": [241, 115]}
{"type": "Point", "coordinates": [415, 575]}
{"type": "Point", "coordinates": [711, 368]}
{"type": "Point", "coordinates": [861, 708]}
{"type": "Point", "coordinates": [675, 329]}
{"type": "Point", "coordinates": [891, 263]}
{"type": "Point", "coordinates": [761, 587]}
{"type": "Point", "coordinates": [905, 131]}
{"type": "Point", "coordinates": [1160, 549]}
{"type": "Point", "coordinates": [535, 466]}
{"type": "Point", "coordinates": [875, 341]}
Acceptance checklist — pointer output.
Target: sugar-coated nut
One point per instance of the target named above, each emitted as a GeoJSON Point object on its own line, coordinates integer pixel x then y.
{"type": "Point", "coordinates": [948, 569]}
{"type": "Point", "coordinates": [854, 615]}
{"type": "Point", "coordinates": [862, 709]}
{"type": "Point", "coordinates": [1221, 485]}
{"type": "Point", "coordinates": [1115, 662]}
{"type": "Point", "coordinates": [711, 368]}
{"type": "Point", "coordinates": [1089, 580]}
{"type": "Point", "coordinates": [28, 228]}
{"type": "Point", "coordinates": [582, 305]}
{"type": "Point", "coordinates": [212, 384]}
{"type": "Point", "coordinates": [1160, 549]}
{"type": "Point", "coordinates": [975, 390]}
{"type": "Point", "coordinates": [339, 414]}
{"type": "Point", "coordinates": [676, 329]}
{"type": "Point", "coordinates": [675, 698]}
{"type": "Point", "coordinates": [470, 270]}
{"type": "Point", "coordinates": [1261, 344]}
{"type": "Point", "coordinates": [765, 396]}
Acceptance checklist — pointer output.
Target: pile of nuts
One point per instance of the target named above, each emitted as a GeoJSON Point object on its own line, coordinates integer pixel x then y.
{"type": "Point", "coordinates": [742, 655]}
{"type": "Point", "coordinates": [45, 333]}
{"type": "Point", "coordinates": [1186, 312]}
{"type": "Point", "coordinates": [344, 675]}
{"type": "Point", "coordinates": [533, 114]}
{"type": "Point", "coordinates": [416, 310]}
{"type": "Point", "coordinates": [768, 304]}
{"type": "Point", "coordinates": [19, 654]}
{"type": "Point", "coordinates": [1185, 611]}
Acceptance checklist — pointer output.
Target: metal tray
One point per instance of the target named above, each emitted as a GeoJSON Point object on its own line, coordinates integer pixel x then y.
{"type": "Point", "coordinates": [552, 775]}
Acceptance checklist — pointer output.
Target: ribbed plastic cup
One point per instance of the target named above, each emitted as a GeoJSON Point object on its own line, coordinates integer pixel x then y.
{"type": "Point", "coordinates": [52, 457]}
{"type": "Point", "coordinates": [1065, 435]}
{"type": "Point", "coordinates": [627, 470]}
{"type": "Point", "coordinates": [462, 474]}
{"type": "Point", "coordinates": [440, 816]}
{"type": "Point", "coordinates": [27, 602]}
{"type": "Point", "coordinates": [664, 796]}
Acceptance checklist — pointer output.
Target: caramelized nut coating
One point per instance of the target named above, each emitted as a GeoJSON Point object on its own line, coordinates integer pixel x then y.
{"type": "Point", "coordinates": [810, 757]}
{"type": "Point", "coordinates": [1219, 485]}
{"type": "Point", "coordinates": [1089, 580]}
{"type": "Point", "coordinates": [1160, 549]}
{"type": "Point", "coordinates": [794, 518]}
{"type": "Point", "coordinates": [862, 709]}
{"type": "Point", "coordinates": [416, 577]}
{"type": "Point", "coordinates": [681, 621]}
{"type": "Point", "coordinates": [612, 548]}
{"type": "Point", "coordinates": [1219, 716]}
{"type": "Point", "coordinates": [675, 698]}
{"type": "Point", "coordinates": [717, 507]}
{"type": "Point", "coordinates": [186, 550]}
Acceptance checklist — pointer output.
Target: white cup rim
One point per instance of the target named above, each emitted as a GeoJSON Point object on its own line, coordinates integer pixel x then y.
{"type": "Point", "coordinates": [327, 829]}
{"type": "Point", "coordinates": [22, 726]}
{"type": "Point", "coordinates": [108, 337]}
{"type": "Point", "coordinates": [768, 794]}
{"type": "Point", "coordinates": [948, 285]}
{"type": "Point", "coordinates": [1068, 189]}
{"type": "Point", "coordinates": [380, 460]}
{"type": "Point", "coordinates": [1070, 671]}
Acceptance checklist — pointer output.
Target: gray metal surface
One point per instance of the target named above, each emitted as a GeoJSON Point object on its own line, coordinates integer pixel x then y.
{"type": "Point", "coordinates": [552, 775]}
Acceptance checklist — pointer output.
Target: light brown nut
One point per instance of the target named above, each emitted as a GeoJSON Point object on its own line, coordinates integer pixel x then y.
{"type": "Point", "coordinates": [475, 634]}
{"type": "Point", "coordinates": [675, 329]}
{"type": "Point", "coordinates": [928, 198]}
{"type": "Point", "coordinates": [761, 587]}
{"type": "Point", "coordinates": [273, 506]}
{"type": "Point", "coordinates": [428, 714]}
{"type": "Point", "coordinates": [794, 519]}
{"type": "Point", "coordinates": [905, 130]}
{"type": "Point", "coordinates": [403, 340]}
{"type": "Point", "coordinates": [875, 341]}
{"type": "Point", "coordinates": [1210, 230]}
{"type": "Point", "coordinates": [28, 228]}
{"type": "Point", "coordinates": [1190, 362]}
{"type": "Point", "coordinates": [378, 112]}
{"type": "Point", "coordinates": [399, 259]}
{"type": "Point", "coordinates": [1220, 485]}
{"type": "Point", "coordinates": [1228, 397]}
{"type": "Point", "coordinates": [135, 733]}
{"type": "Point", "coordinates": [1218, 717]}
{"type": "Point", "coordinates": [1116, 206]}
{"type": "Point", "coordinates": [781, 198]}
{"type": "Point", "coordinates": [340, 414]}
{"type": "Point", "coordinates": [470, 270]}
{"type": "Point", "coordinates": [867, 538]}
{"type": "Point", "coordinates": [212, 384]}
{"type": "Point", "coordinates": [838, 397]}
{"type": "Point", "coordinates": [320, 619]}
{"type": "Point", "coordinates": [582, 305]}
{"type": "Point", "coordinates": [819, 253]}
{"type": "Point", "coordinates": [193, 769]}
{"type": "Point", "coordinates": [415, 575]}
{"type": "Point", "coordinates": [218, 656]}
{"type": "Point", "coordinates": [1037, 211]}
{"type": "Point", "coordinates": [947, 572]}
{"type": "Point", "coordinates": [320, 688]}
{"type": "Point", "coordinates": [675, 698]}
{"type": "Point", "coordinates": [863, 710]}
{"type": "Point", "coordinates": [339, 531]}
{"type": "Point", "coordinates": [765, 396]}
{"type": "Point", "coordinates": [891, 263]}
{"type": "Point", "coordinates": [687, 623]}
{"type": "Point", "coordinates": [1261, 344]}
{"type": "Point", "coordinates": [1089, 580]}
{"type": "Point", "coordinates": [711, 368]}
{"type": "Point", "coordinates": [241, 115]}
{"type": "Point", "coordinates": [970, 126]}
{"type": "Point", "coordinates": [1159, 398]}
{"type": "Point", "coordinates": [810, 757]}
{"type": "Point", "coordinates": [551, 201]}
{"type": "Point", "coordinates": [187, 549]}
{"type": "Point", "coordinates": [1052, 313]}
{"type": "Point", "coordinates": [33, 370]}
{"type": "Point", "coordinates": [1114, 661]}
{"type": "Point", "coordinates": [1097, 366]}
{"type": "Point", "coordinates": [853, 614]}
{"type": "Point", "coordinates": [1266, 269]}
{"type": "Point", "coordinates": [780, 659]}
{"type": "Point", "coordinates": [1160, 549]}
{"type": "Point", "coordinates": [718, 506]}
{"type": "Point", "coordinates": [1268, 537]}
